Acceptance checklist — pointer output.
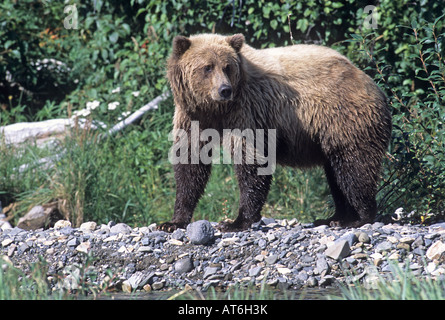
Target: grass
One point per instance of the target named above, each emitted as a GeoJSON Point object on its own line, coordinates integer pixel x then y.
{"type": "Point", "coordinates": [400, 284]}
{"type": "Point", "coordinates": [18, 285]}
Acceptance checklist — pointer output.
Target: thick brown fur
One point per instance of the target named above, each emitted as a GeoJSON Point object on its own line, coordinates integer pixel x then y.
{"type": "Point", "coordinates": [326, 112]}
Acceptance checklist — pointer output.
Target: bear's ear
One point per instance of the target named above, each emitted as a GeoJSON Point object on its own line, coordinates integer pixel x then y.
{"type": "Point", "coordinates": [236, 41]}
{"type": "Point", "coordinates": [180, 46]}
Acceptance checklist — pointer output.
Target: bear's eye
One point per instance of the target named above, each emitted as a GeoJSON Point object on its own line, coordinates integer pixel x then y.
{"type": "Point", "coordinates": [208, 68]}
{"type": "Point", "coordinates": [227, 70]}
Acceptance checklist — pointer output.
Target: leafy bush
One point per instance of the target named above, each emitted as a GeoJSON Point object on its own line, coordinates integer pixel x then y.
{"type": "Point", "coordinates": [415, 168]}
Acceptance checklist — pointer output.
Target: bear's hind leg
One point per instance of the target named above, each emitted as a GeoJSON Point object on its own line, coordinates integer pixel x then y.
{"type": "Point", "coordinates": [343, 210]}
{"type": "Point", "coordinates": [354, 188]}
{"type": "Point", "coordinates": [253, 194]}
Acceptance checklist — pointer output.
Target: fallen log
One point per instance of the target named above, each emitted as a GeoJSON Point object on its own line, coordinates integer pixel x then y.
{"type": "Point", "coordinates": [44, 131]}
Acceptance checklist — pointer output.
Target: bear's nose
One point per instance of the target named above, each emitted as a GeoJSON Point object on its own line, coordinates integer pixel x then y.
{"type": "Point", "coordinates": [225, 91]}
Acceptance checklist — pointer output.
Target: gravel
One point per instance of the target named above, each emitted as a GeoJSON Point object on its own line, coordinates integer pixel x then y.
{"type": "Point", "coordinates": [280, 253]}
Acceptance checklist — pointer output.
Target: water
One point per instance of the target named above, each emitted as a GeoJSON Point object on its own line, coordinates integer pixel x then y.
{"type": "Point", "coordinates": [243, 294]}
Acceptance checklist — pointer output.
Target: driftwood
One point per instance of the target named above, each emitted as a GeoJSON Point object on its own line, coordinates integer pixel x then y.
{"type": "Point", "coordinates": [41, 131]}
{"type": "Point", "coordinates": [21, 132]}
{"type": "Point", "coordinates": [45, 131]}
{"type": "Point", "coordinates": [138, 114]}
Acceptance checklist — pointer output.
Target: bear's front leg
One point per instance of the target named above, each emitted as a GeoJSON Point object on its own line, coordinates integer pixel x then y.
{"type": "Point", "coordinates": [254, 189]}
{"type": "Point", "coordinates": [191, 180]}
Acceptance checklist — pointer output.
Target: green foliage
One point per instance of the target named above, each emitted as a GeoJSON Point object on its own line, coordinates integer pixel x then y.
{"type": "Point", "coordinates": [28, 41]}
{"type": "Point", "coordinates": [415, 168]}
{"type": "Point", "coordinates": [115, 61]}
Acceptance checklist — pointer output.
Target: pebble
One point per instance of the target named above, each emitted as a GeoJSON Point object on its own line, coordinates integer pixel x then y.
{"type": "Point", "coordinates": [363, 237]}
{"type": "Point", "coordinates": [120, 228]}
{"type": "Point", "coordinates": [436, 250]}
{"type": "Point", "coordinates": [62, 224]}
{"type": "Point", "coordinates": [281, 253]}
{"type": "Point", "coordinates": [184, 265]}
{"type": "Point", "coordinates": [88, 226]}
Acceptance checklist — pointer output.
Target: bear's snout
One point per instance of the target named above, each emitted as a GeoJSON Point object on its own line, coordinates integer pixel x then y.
{"type": "Point", "coordinates": [225, 92]}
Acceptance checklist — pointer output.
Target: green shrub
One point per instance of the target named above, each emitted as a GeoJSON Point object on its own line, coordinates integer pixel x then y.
{"type": "Point", "coordinates": [415, 167]}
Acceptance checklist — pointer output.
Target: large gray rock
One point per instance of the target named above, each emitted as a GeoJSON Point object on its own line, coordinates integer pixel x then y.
{"type": "Point", "coordinates": [339, 250]}
{"type": "Point", "coordinates": [39, 217]}
{"type": "Point", "coordinates": [200, 232]}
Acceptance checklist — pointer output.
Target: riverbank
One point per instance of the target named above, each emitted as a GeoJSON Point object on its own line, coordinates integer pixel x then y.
{"type": "Point", "coordinates": [282, 254]}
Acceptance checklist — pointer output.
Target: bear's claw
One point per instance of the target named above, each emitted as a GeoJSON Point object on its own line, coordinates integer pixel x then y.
{"type": "Point", "coordinates": [171, 226]}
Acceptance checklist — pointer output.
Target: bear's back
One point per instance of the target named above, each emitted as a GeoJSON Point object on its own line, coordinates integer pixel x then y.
{"type": "Point", "coordinates": [306, 63]}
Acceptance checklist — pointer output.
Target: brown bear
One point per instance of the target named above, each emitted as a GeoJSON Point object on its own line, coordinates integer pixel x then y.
{"type": "Point", "coordinates": [324, 110]}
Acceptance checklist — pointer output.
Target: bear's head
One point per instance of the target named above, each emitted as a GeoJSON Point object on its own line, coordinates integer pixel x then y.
{"type": "Point", "coordinates": [205, 69]}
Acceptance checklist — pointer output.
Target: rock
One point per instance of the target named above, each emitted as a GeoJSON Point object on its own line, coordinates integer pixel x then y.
{"type": "Point", "coordinates": [383, 246]}
{"type": "Point", "coordinates": [36, 218]}
{"type": "Point", "coordinates": [83, 247]}
{"type": "Point", "coordinates": [184, 265]}
{"type": "Point", "coordinates": [139, 279]}
{"type": "Point", "coordinates": [73, 242]}
{"type": "Point", "coordinates": [350, 237]}
{"type": "Point", "coordinates": [88, 226]}
{"type": "Point", "coordinates": [11, 249]}
{"type": "Point", "coordinates": [40, 217]}
{"type": "Point", "coordinates": [322, 266]}
{"type": "Point", "coordinates": [126, 287]}
{"type": "Point", "coordinates": [284, 257]}
{"type": "Point", "coordinates": [158, 285]}
{"type": "Point", "coordinates": [267, 221]}
{"type": "Point", "coordinates": [363, 237]}
{"type": "Point", "coordinates": [62, 224]}
{"type": "Point", "coordinates": [407, 240]}
{"type": "Point", "coordinates": [120, 228]}
{"type": "Point", "coordinates": [338, 250]}
{"type": "Point", "coordinates": [259, 258]}
{"type": "Point", "coordinates": [7, 242]}
{"type": "Point", "coordinates": [225, 242]}
{"type": "Point", "coordinates": [255, 271]}
{"type": "Point", "coordinates": [394, 256]}
{"type": "Point", "coordinates": [417, 243]}
{"type": "Point", "coordinates": [23, 248]}
{"type": "Point", "coordinates": [200, 232]}
{"type": "Point", "coordinates": [209, 271]}
{"type": "Point", "coordinates": [437, 228]}
{"type": "Point", "coordinates": [147, 288]}
{"type": "Point", "coordinates": [178, 234]}
{"type": "Point", "coordinates": [284, 270]}
{"type": "Point", "coordinates": [272, 259]}
{"type": "Point", "coordinates": [404, 246]}
{"type": "Point", "coordinates": [435, 251]}
{"type": "Point", "coordinates": [4, 225]}
{"type": "Point", "coordinates": [262, 243]}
